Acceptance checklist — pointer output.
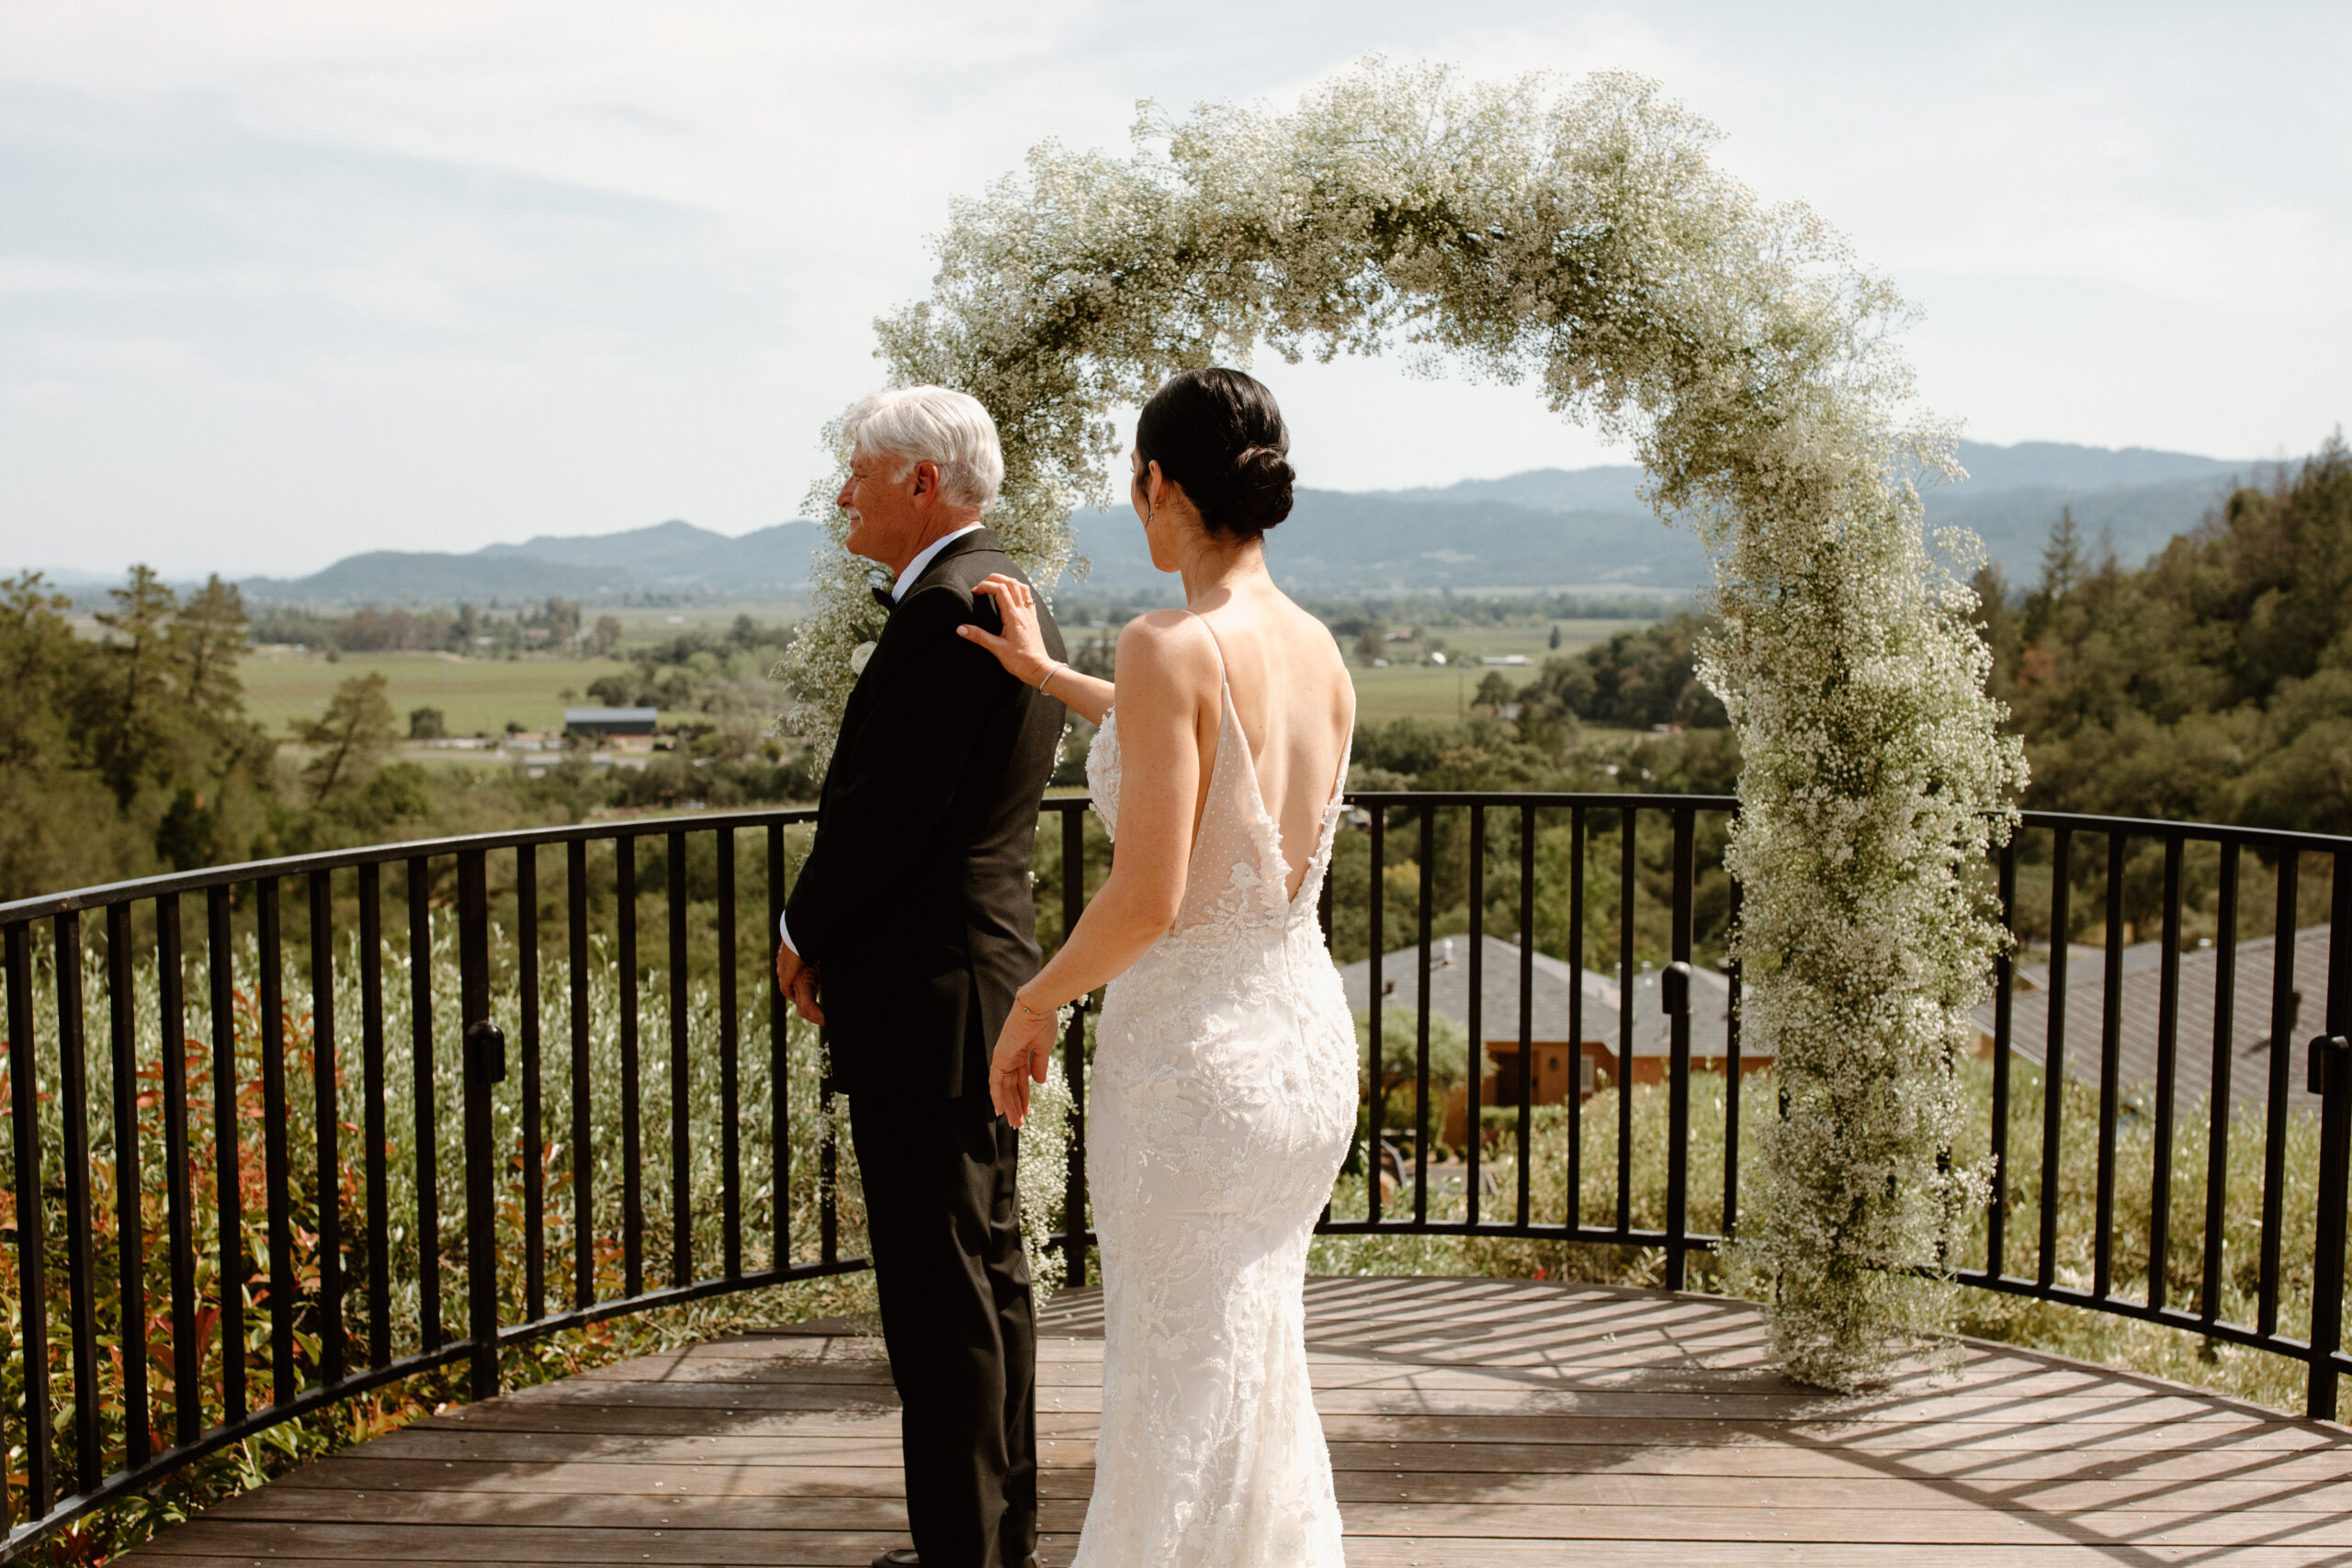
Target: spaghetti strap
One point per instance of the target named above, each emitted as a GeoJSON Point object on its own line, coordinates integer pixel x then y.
{"type": "Point", "coordinates": [1224, 678]}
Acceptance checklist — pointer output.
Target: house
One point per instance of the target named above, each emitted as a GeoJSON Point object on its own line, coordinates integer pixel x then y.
{"type": "Point", "coordinates": [2245, 1035]}
{"type": "Point", "coordinates": [1558, 1021]}
{"type": "Point", "coordinates": [601, 723]}
{"type": "Point", "coordinates": [629, 731]}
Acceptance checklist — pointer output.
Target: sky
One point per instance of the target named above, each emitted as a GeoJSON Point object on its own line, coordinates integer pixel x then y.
{"type": "Point", "coordinates": [282, 282]}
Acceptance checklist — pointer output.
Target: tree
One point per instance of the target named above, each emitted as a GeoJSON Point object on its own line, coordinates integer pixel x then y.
{"type": "Point", "coordinates": [1494, 691]}
{"type": "Point", "coordinates": [608, 636]}
{"type": "Point", "coordinates": [116, 755]}
{"type": "Point", "coordinates": [427, 724]}
{"type": "Point", "coordinates": [2062, 557]}
{"type": "Point", "coordinates": [351, 736]}
{"type": "Point", "coordinates": [205, 641]}
{"type": "Point", "coordinates": [126, 724]}
{"type": "Point", "coordinates": [1640, 677]}
{"type": "Point", "coordinates": [2207, 684]}
{"type": "Point", "coordinates": [613, 691]}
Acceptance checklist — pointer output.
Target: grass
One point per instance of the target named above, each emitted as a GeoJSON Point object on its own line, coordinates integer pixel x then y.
{"type": "Point", "coordinates": [475, 695]}
{"type": "Point", "coordinates": [481, 696]}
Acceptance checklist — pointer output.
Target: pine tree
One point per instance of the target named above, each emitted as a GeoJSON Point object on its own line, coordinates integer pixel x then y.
{"type": "Point", "coordinates": [353, 734]}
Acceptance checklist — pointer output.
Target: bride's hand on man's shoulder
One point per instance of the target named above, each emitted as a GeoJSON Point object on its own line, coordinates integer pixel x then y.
{"type": "Point", "coordinates": [1022, 647]}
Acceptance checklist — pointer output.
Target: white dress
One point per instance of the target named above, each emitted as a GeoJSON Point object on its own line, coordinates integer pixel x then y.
{"type": "Point", "coordinates": [1222, 1101]}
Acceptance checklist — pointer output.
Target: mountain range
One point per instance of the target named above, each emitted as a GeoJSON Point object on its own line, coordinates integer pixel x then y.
{"type": "Point", "coordinates": [1546, 527]}
{"type": "Point", "coordinates": [1588, 527]}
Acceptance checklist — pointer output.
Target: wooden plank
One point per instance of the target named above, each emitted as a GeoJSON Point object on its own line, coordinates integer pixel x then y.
{"type": "Point", "coordinates": [1797, 1461]}
{"type": "Point", "coordinates": [582, 1490]}
{"type": "Point", "coordinates": [2317, 1461]}
{"type": "Point", "coordinates": [480, 1544]}
{"type": "Point", "coordinates": [1440, 1553]}
{"type": "Point", "coordinates": [451, 1446]}
{"type": "Point", "coordinates": [317, 1508]}
{"type": "Point", "coordinates": [1892, 1527]}
{"type": "Point", "coordinates": [2089, 1408]}
{"type": "Point", "coordinates": [1882, 1436]}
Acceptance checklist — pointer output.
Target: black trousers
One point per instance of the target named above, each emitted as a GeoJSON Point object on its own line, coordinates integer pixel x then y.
{"type": "Point", "coordinates": [944, 1223]}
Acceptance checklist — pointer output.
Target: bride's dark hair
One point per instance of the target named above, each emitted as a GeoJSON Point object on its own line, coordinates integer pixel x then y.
{"type": "Point", "coordinates": [1219, 433]}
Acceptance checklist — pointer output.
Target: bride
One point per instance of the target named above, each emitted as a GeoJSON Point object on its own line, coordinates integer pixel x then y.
{"type": "Point", "coordinates": [1224, 1085]}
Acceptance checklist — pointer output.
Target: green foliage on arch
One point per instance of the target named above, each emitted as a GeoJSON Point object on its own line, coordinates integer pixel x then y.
{"type": "Point", "coordinates": [1582, 239]}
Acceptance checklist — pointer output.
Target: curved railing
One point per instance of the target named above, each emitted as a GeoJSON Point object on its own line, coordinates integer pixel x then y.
{"type": "Point", "coordinates": [391, 1199]}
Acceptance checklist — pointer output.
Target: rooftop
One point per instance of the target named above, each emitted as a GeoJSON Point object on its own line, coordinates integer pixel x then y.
{"type": "Point", "coordinates": [1555, 983]}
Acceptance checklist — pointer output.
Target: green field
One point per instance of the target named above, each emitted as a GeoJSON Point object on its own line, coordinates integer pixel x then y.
{"type": "Point", "coordinates": [1427, 691]}
{"type": "Point", "coordinates": [475, 695]}
{"type": "Point", "coordinates": [483, 696]}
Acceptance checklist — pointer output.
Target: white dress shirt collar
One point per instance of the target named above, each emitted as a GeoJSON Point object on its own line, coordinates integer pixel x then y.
{"type": "Point", "coordinates": [915, 567]}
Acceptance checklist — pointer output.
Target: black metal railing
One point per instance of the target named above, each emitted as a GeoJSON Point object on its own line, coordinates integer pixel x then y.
{"type": "Point", "coordinates": [198, 1253]}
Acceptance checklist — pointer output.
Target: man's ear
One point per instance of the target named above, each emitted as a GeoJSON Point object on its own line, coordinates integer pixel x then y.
{"type": "Point", "coordinates": [927, 481]}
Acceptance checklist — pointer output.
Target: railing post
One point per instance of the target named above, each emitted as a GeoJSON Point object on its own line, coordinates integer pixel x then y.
{"type": "Point", "coordinates": [485, 1064]}
{"type": "Point", "coordinates": [1675, 992]}
{"type": "Point", "coordinates": [2331, 1079]}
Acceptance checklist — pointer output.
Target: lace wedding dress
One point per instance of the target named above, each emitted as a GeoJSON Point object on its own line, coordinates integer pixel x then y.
{"type": "Point", "coordinates": [1222, 1101]}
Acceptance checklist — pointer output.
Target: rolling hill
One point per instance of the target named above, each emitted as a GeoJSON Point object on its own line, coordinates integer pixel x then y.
{"type": "Point", "coordinates": [1546, 527]}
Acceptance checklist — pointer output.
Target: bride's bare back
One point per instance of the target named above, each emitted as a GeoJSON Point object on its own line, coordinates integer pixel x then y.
{"type": "Point", "coordinates": [1296, 707]}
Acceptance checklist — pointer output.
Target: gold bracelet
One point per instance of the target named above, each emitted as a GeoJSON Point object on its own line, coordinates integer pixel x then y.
{"type": "Point", "coordinates": [1033, 1012]}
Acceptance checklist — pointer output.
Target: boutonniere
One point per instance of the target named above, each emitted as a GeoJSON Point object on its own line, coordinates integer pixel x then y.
{"type": "Point", "coordinates": [858, 655]}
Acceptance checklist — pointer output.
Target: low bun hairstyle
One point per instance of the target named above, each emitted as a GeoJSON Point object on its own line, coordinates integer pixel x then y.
{"type": "Point", "coordinates": [1219, 433]}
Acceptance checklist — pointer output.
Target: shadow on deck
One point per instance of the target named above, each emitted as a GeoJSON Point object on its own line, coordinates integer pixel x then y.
{"type": "Point", "coordinates": [1471, 1422]}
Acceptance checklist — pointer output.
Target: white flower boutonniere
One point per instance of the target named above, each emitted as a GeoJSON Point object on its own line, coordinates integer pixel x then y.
{"type": "Point", "coordinates": [858, 655]}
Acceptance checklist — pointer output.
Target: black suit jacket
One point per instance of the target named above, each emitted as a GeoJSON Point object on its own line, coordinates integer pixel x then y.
{"type": "Point", "coordinates": [914, 901]}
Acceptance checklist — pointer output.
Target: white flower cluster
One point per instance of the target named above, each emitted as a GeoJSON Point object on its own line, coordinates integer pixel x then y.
{"type": "Point", "coordinates": [1582, 238]}
{"type": "Point", "coordinates": [1041, 1180]}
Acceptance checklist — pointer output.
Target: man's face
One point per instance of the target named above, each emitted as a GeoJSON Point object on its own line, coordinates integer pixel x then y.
{"type": "Point", "coordinates": [887, 513]}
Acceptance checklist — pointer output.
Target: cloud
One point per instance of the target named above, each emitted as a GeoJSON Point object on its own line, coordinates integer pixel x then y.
{"type": "Point", "coordinates": [282, 280]}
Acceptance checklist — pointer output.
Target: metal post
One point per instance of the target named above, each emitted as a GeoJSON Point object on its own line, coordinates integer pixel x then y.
{"type": "Point", "coordinates": [1674, 992]}
{"type": "Point", "coordinates": [2331, 1079]}
{"type": "Point", "coordinates": [2334, 1086]}
{"type": "Point", "coordinates": [485, 1064]}
{"type": "Point", "coordinates": [1675, 986]}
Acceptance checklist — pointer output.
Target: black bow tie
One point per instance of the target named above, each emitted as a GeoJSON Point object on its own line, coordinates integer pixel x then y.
{"type": "Point", "coordinates": [882, 596]}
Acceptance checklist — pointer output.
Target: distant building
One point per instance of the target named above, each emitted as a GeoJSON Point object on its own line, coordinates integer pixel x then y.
{"type": "Point", "coordinates": [1553, 1028]}
{"type": "Point", "coordinates": [601, 722]}
{"type": "Point", "coordinates": [2245, 1040]}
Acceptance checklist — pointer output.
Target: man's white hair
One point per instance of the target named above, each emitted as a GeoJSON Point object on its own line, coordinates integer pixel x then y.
{"type": "Point", "coordinates": [932, 425]}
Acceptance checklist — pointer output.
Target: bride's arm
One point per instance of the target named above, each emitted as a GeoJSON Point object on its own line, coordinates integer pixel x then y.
{"type": "Point", "coordinates": [1165, 666]}
{"type": "Point", "coordinates": [1022, 651]}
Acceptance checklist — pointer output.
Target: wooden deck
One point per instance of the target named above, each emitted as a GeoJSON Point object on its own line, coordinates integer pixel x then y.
{"type": "Point", "coordinates": [1472, 1422]}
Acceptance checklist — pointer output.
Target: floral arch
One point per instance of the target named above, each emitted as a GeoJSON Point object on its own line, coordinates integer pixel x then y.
{"type": "Point", "coordinates": [1582, 238]}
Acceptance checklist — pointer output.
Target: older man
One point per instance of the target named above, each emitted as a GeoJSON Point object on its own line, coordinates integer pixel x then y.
{"type": "Point", "coordinates": [907, 934]}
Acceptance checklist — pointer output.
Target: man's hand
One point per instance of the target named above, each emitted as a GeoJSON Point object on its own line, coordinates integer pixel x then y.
{"type": "Point", "coordinates": [797, 981]}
